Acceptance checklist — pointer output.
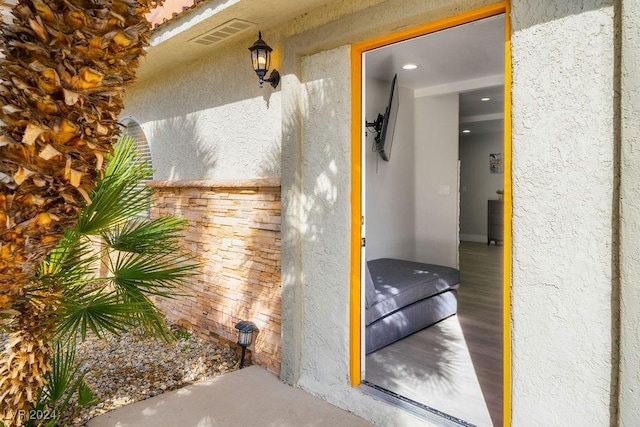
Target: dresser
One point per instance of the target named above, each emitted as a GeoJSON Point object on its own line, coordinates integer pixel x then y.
{"type": "Point", "coordinates": [494, 221]}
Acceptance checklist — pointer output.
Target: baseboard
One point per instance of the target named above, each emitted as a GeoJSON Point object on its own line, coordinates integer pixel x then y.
{"type": "Point", "coordinates": [473, 238]}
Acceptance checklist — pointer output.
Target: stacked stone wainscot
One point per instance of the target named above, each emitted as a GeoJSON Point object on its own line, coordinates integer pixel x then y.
{"type": "Point", "coordinates": [234, 230]}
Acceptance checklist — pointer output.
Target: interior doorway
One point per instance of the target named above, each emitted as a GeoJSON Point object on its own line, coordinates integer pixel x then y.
{"type": "Point", "coordinates": [411, 201]}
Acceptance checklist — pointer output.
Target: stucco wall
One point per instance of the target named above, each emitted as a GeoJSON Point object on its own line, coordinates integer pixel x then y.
{"type": "Point", "coordinates": [325, 239]}
{"type": "Point", "coordinates": [209, 119]}
{"type": "Point", "coordinates": [563, 199]}
{"type": "Point", "coordinates": [208, 122]}
{"type": "Point", "coordinates": [629, 411]}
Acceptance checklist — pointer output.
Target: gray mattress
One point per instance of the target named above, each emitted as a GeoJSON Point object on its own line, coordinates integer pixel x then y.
{"type": "Point", "coordinates": [409, 296]}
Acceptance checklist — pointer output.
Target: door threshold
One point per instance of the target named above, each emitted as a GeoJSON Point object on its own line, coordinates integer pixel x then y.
{"type": "Point", "coordinates": [416, 409]}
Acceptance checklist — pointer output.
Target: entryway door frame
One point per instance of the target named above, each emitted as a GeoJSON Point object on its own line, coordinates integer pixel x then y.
{"type": "Point", "coordinates": [355, 304]}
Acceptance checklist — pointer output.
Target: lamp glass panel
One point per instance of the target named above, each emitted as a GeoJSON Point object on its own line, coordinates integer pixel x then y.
{"type": "Point", "coordinates": [254, 59]}
{"type": "Point", "coordinates": [244, 338]}
{"type": "Point", "coordinates": [262, 60]}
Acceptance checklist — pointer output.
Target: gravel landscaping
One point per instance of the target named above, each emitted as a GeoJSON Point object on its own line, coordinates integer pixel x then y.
{"type": "Point", "coordinates": [126, 369]}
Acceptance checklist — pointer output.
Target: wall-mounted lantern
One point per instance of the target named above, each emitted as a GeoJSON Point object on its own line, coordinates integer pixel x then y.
{"type": "Point", "coordinates": [261, 60]}
{"type": "Point", "coordinates": [245, 337]}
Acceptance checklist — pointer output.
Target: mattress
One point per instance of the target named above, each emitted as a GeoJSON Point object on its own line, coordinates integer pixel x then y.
{"type": "Point", "coordinates": [400, 283]}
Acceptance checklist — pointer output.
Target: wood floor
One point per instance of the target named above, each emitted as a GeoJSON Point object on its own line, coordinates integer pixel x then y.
{"type": "Point", "coordinates": [480, 312]}
{"type": "Point", "coordinates": [456, 365]}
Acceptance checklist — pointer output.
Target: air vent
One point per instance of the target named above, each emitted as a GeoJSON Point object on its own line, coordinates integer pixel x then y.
{"type": "Point", "coordinates": [222, 32]}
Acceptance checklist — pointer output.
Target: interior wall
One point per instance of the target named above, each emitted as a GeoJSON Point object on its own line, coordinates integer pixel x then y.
{"type": "Point", "coordinates": [477, 183]}
{"type": "Point", "coordinates": [436, 179]}
{"type": "Point", "coordinates": [390, 186]}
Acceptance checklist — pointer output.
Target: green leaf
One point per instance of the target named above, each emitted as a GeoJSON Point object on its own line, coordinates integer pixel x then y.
{"type": "Point", "coordinates": [147, 236]}
{"type": "Point", "coordinates": [117, 196]}
{"type": "Point", "coordinates": [86, 396]}
{"type": "Point", "coordinates": [96, 310]}
{"type": "Point", "coordinates": [153, 274]}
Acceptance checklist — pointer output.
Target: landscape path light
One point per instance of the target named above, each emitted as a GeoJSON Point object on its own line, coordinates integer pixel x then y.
{"type": "Point", "coordinates": [245, 336]}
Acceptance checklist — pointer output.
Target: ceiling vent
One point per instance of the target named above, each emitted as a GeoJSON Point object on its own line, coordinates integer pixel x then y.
{"type": "Point", "coordinates": [223, 32]}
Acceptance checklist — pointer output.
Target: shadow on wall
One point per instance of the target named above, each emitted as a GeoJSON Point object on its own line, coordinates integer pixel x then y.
{"type": "Point", "coordinates": [270, 163]}
{"type": "Point", "coordinates": [221, 78]}
{"type": "Point", "coordinates": [316, 145]}
{"type": "Point", "coordinates": [181, 148]}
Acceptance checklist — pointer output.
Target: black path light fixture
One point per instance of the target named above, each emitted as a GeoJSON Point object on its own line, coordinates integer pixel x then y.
{"type": "Point", "coordinates": [261, 60]}
{"type": "Point", "coordinates": [245, 336]}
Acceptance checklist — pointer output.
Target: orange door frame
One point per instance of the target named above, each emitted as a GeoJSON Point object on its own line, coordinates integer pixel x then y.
{"type": "Point", "coordinates": [355, 313]}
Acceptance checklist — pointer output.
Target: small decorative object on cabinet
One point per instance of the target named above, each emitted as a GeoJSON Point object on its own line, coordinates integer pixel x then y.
{"type": "Point", "coordinates": [494, 222]}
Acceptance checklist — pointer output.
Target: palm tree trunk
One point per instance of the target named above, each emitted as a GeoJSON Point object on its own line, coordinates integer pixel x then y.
{"type": "Point", "coordinates": [66, 65]}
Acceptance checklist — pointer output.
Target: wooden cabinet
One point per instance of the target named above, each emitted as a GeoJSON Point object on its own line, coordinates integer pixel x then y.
{"type": "Point", "coordinates": [494, 222]}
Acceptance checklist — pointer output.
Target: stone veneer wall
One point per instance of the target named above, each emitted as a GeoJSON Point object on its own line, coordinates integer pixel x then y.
{"type": "Point", "coordinates": [234, 230]}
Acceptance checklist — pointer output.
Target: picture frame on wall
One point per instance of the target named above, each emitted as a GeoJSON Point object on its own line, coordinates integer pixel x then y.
{"type": "Point", "coordinates": [496, 163]}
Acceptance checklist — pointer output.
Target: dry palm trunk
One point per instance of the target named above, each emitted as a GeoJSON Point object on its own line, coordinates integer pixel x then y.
{"type": "Point", "coordinates": [66, 65]}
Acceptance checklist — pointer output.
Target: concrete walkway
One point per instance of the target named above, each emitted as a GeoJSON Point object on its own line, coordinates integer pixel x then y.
{"type": "Point", "coordinates": [244, 398]}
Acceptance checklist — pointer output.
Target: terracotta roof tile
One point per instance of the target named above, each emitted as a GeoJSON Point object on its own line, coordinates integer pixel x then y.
{"type": "Point", "coordinates": [170, 10]}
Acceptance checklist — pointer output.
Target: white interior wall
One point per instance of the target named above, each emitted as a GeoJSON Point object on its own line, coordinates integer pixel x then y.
{"type": "Point", "coordinates": [436, 179]}
{"type": "Point", "coordinates": [390, 186]}
{"type": "Point", "coordinates": [477, 183]}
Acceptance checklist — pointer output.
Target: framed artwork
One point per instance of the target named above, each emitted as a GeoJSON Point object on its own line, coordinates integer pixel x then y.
{"type": "Point", "coordinates": [496, 163]}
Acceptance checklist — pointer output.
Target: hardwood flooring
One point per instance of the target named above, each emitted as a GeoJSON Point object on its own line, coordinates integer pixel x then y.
{"type": "Point", "coordinates": [480, 312]}
{"type": "Point", "coordinates": [459, 359]}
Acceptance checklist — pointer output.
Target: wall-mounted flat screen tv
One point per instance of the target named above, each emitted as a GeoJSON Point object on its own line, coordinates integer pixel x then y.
{"type": "Point", "coordinates": [385, 125]}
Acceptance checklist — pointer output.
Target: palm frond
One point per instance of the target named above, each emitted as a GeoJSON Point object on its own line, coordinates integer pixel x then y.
{"type": "Point", "coordinates": [98, 311]}
{"type": "Point", "coordinates": [62, 374]}
{"type": "Point", "coordinates": [161, 274]}
{"type": "Point", "coordinates": [63, 382]}
{"type": "Point", "coordinates": [69, 263]}
{"type": "Point", "coordinates": [160, 235]}
{"type": "Point", "coordinates": [118, 195]}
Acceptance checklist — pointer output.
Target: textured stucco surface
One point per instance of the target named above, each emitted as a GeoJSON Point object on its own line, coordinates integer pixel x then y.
{"type": "Point", "coordinates": [563, 198]}
{"type": "Point", "coordinates": [629, 412]}
{"type": "Point", "coordinates": [210, 119]}
{"type": "Point", "coordinates": [325, 238]}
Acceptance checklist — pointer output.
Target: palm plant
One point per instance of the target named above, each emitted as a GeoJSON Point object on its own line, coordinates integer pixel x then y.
{"type": "Point", "coordinates": [68, 298]}
{"type": "Point", "coordinates": [66, 65]}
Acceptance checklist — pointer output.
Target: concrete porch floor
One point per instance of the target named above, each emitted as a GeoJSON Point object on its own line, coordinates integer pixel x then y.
{"type": "Point", "coordinates": [248, 397]}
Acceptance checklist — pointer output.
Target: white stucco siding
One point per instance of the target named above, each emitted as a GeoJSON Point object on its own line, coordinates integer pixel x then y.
{"type": "Point", "coordinates": [563, 190]}
{"type": "Point", "coordinates": [629, 411]}
{"type": "Point", "coordinates": [325, 215]}
{"type": "Point", "coordinates": [210, 119]}
{"type": "Point", "coordinates": [325, 238]}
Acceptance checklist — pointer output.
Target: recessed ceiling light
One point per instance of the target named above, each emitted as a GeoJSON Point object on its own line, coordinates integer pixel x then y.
{"type": "Point", "coordinates": [409, 66]}
{"type": "Point", "coordinates": [466, 131]}
{"type": "Point", "coordinates": [485, 99]}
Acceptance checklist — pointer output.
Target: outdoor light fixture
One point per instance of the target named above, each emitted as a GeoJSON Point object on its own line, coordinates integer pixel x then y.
{"type": "Point", "coordinates": [261, 59]}
{"type": "Point", "coordinates": [245, 336]}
